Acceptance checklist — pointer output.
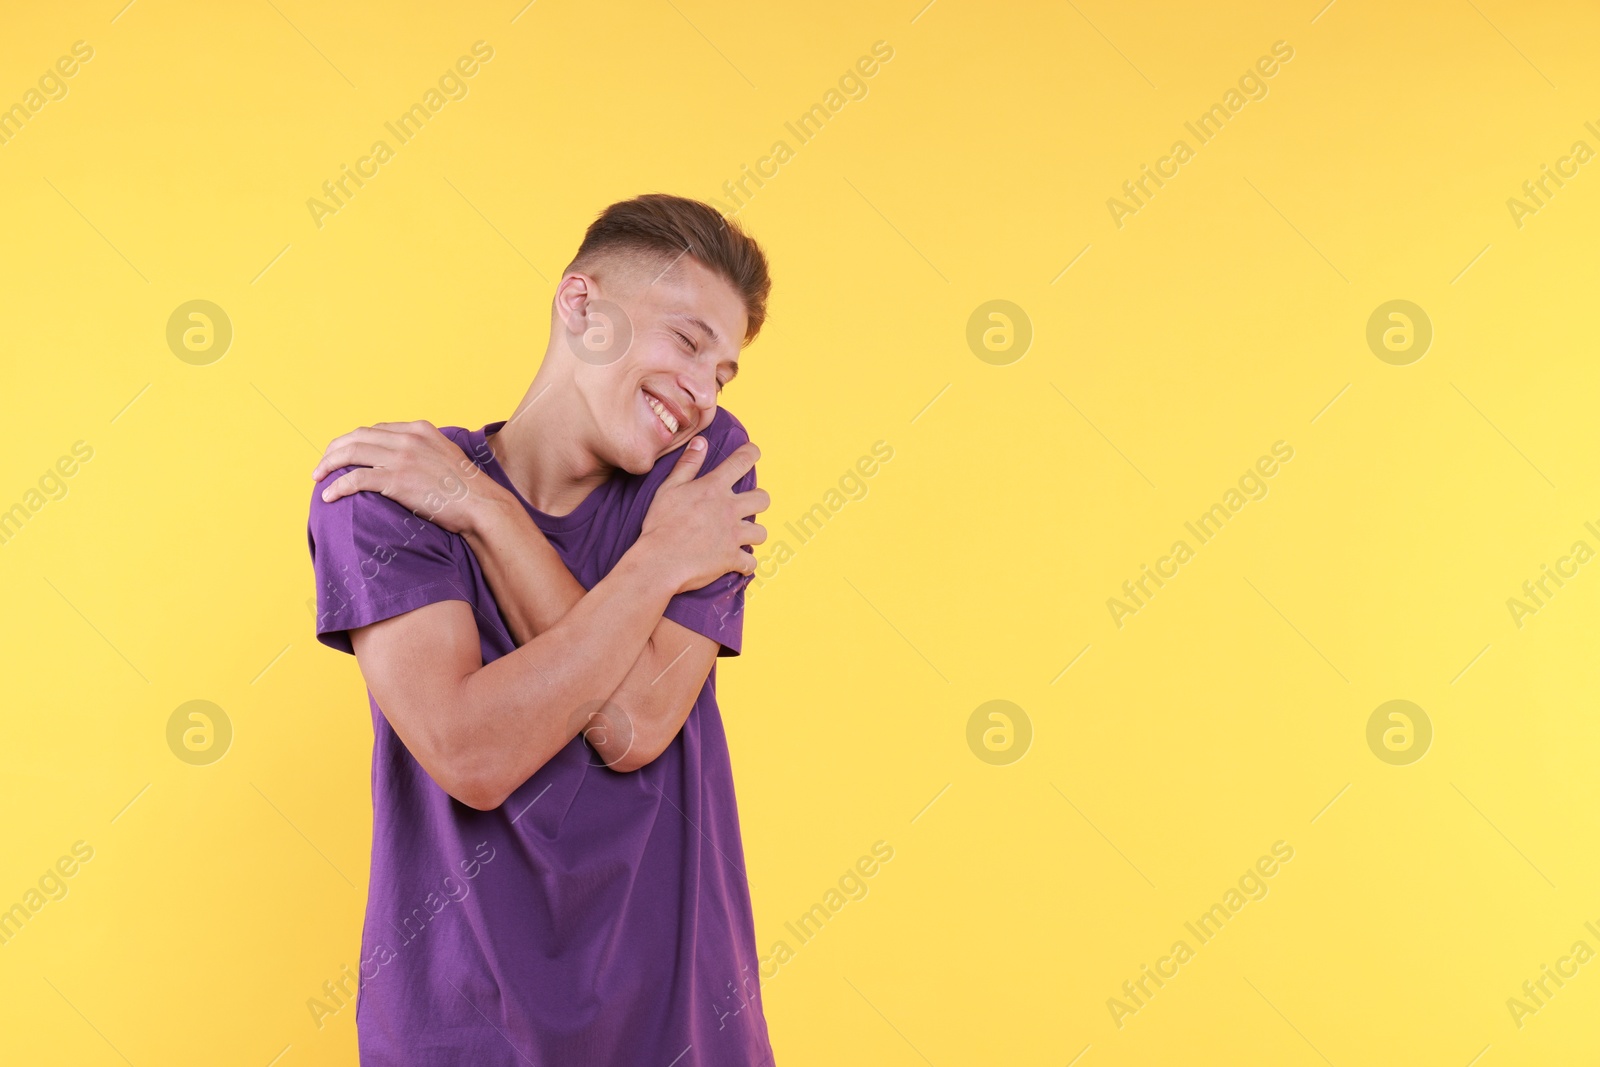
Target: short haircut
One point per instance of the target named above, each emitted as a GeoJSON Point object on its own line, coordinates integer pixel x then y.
{"type": "Point", "coordinates": [660, 228]}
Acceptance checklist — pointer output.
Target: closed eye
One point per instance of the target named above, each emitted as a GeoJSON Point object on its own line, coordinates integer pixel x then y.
{"type": "Point", "coordinates": [687, 343]}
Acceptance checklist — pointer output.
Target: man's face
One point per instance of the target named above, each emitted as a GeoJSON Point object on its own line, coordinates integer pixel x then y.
{"type": "Point", "coordinates": [686, 329]}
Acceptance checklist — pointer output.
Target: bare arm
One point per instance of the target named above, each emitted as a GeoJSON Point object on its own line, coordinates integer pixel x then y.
{"type": "Point", "coordinates": [481, 730]}
{"type": "Point", "coordinates": [635, 720]}
{"type": "Point", "coordinates": [535, 590]}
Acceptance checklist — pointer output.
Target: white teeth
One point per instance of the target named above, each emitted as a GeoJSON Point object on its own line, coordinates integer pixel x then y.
{"type": "Point", "coordinates": [662, 413]}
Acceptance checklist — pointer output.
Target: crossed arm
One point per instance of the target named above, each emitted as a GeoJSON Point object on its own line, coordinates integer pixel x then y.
{"type": "Point", "coordinates": [535, 591]}
{"type": "Point", "coordinates": [603, 662]}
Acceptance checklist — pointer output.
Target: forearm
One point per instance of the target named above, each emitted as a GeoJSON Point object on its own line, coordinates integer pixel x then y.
{"type": "Point", "coordinates": [535, 590]}
{"type": "Point", "coordinates": [516, 713]}
{"type": "Point", "coordinates": [650, 706]}
{"type": "Point", "coordinates": [529, 581]}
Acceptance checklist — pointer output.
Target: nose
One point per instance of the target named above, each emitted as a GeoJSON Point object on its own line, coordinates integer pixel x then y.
{"type": "Point", "coordinates": [701, 384]}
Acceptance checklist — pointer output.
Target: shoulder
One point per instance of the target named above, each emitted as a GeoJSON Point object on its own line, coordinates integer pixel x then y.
{"type": "Point", "coordinates": [725, 422]}
{"type": "Point", "coordinates": [462, 436]}
{"type": "Point", "coordinates": [723, 435]}
{"type": "Point", "coordinates": [370, 518]}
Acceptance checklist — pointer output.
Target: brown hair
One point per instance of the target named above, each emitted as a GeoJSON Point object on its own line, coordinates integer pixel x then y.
{"type": "Point", "coordinates": [665, 227]}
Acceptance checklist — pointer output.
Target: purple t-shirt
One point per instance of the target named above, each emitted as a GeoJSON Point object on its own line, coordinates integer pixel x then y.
{"type": "Point", "coordinates": [596, 917]}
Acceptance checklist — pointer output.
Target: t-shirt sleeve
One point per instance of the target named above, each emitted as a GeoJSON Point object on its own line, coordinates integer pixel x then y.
{"type": "Point", "coordinates": [373, 559]}
{"type": "Point", "coordinates": [717, 610]}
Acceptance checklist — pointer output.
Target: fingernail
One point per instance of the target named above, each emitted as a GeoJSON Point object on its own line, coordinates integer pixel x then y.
{"type": "Point", "coordinates": [698, 444]}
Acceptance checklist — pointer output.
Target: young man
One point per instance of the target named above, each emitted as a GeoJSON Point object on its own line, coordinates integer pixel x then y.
{"type": "Point", "coordinates": [537, 608]}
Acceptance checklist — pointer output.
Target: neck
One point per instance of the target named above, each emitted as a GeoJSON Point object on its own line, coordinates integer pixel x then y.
{"type": "Point", "coordinates": [545, 450]}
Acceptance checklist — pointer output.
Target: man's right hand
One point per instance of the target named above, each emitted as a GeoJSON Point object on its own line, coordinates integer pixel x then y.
{"type": "Point", "coordinates": [696, 528]}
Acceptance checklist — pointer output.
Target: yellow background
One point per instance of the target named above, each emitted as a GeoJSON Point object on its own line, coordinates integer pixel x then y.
{"type": "Point", "coordinates": [1222, 317]}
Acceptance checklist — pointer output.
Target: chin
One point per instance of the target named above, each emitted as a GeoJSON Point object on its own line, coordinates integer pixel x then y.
{"type": "Point", "coordinates": [640, 468]}
{"type": "Point", "coordinates": [638, 459]}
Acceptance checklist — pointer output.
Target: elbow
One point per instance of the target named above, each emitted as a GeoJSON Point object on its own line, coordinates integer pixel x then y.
{"type": "Point", "coordinates": [641, 749]}
{"type": "Point", "coordinates": [633, 743]}
{"type": "Point", "coordinates": [458, 746]}
{"type": "Point", "coordinates": [623, 751]}
{"type": "Point", "coordinates": [476, 790]}
{"type": "Point", "coordinates": [483, 778]}
{"type": "Point", "coordinates": [621, 741]}
{"type": "Point", "coordinates": [634, 759]}
{"type": "Point", "coordinates": [477, 796]}
{"type": "Point", "coordinates": [469, 777]}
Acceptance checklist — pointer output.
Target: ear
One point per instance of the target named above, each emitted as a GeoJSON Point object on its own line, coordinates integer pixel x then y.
{"type": "Point", "coordinates": [572, 301]}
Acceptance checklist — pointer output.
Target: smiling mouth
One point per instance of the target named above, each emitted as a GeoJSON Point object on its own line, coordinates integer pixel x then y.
{"type": "Point", "coordinates": [663, 414]}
